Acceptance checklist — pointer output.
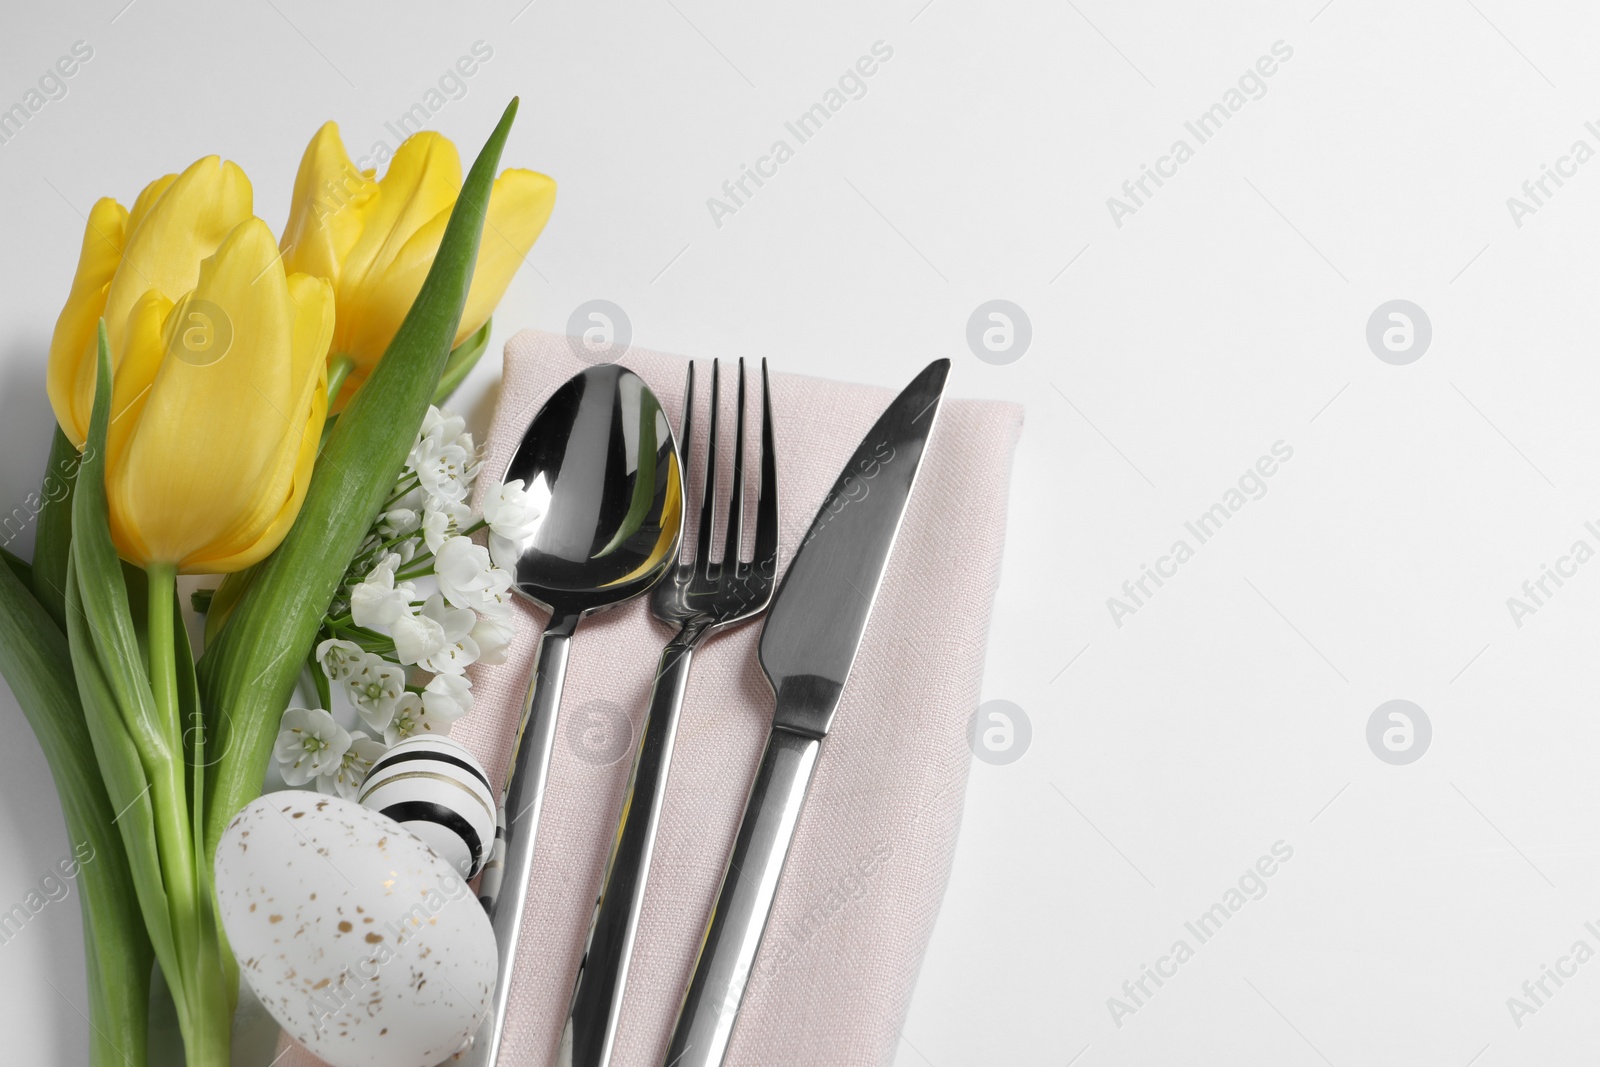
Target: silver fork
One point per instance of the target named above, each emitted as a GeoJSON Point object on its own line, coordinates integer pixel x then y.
{"type": "Point", "coordinates": [700, 597]}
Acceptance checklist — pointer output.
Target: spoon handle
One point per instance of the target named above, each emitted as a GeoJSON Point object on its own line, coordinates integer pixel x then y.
{"type": "Point", "coordinates": [504, 888]}
{"type": "Point", "coordinates": [603, 972]}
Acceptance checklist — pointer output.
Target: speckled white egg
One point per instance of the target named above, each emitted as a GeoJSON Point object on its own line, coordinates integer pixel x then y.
{"type": "Point", "coordinates": [363, 944]}
{"type": "Point", "coordinates": [434, 787]}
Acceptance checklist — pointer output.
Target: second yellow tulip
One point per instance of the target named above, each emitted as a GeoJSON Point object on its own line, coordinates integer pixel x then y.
{"type": "Point", "coordinates": [375, 239]}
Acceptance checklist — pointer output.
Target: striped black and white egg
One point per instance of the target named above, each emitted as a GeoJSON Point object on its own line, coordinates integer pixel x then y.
{"type": "Point", "coordinates": [434, 787]}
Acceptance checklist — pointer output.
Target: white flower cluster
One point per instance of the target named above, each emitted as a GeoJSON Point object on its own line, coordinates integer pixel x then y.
{"type": "Point", "coordinates": [381, 632]}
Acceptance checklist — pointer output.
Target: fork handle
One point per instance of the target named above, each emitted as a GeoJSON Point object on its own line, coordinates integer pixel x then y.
{"type": "Point", "coordinates": [739, 917]}
{"type": "Point", "coordinates": [603, 973]}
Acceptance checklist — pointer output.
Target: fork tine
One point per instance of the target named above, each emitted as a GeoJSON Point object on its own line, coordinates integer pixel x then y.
{"type": "Point", "coordinates": [767, 503]}
{"type": "Point", "coordinates": [731, 553]}
{"type": "Point", "coordinates": [708, 498]}
{"type": "Point", "coordinates": [686, 434]}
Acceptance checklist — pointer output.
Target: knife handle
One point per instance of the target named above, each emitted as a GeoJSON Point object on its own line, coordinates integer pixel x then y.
{"type": "Point", "coordinates": [603, 972]}
{"type": "Point", "coordinates": [739, 918]}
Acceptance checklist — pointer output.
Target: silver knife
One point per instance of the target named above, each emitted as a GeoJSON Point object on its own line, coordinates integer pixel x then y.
{"type": "Point", "coordinates": [810, 640]}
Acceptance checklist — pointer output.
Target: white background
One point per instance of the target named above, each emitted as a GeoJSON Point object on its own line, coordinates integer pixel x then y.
{"type": "Point", "coordinates": [1168, 353]}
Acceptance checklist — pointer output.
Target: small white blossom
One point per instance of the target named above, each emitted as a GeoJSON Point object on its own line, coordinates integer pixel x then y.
{"type": "Point", "coordinates": [458, 650]}
{"type": "Point", "coordinates": [414, 498]}
{"type": "Point", "coordinates": [443, 469]}
{"type": "Point", "coordinates": [377, 600]}
{"type": "Point", "coordinates": [462, 569]}
{"type": "Point", "coordinates": [443, 426]}
{"type": "Point", "coordinates": [509, 508]}
{"type": "Point", "coordinates": [412, 717]}
{"type": "Point", "coordinates": [442, 520]}
{"type": "Point", "coordinates": [492, 636]}
{"type": "Point", "coordinates": [494, 600]}
{"type": "Point", "coordinates": [504, 551]}
{"type": "Point", "coordinates": [375, 689]}
{"type": "Point", "coordinates": [309, 744]}
{"type": "Point", "coordinates": [340, 659]}
{"type": "Point", "coordinates": [416, 637]}
{"type": "Point", "coordinates": [513, 518]}
{"type": "Point", "coordinates": [397, 522]}
{"type": "Point", "coordinates": [447, 697]}
{"type": "Point", "coordinates": [344, 778]}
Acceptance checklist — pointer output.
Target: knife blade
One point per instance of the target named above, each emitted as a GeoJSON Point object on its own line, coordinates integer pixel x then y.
{"type": "Point", "coordinates": [808, 646]}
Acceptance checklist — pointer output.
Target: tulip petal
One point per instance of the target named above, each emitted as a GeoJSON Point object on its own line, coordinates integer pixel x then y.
{"type": "Point", "coordinates": [327, 214]}
{"type": "Point", "coordinates": [422, 180]}
{"type": "Point", "coordinates": [178, 226]}
{"type": "Point", "coordinates": [313, 329]}
{"type": "Point", "coordinates": [146, 199]}
{"type": "Point", "coordinates": [143, 349]}
{"type": "Point", "coordinates": [70, 378]}
{"type": "Point", "coordinates": [519, 207]}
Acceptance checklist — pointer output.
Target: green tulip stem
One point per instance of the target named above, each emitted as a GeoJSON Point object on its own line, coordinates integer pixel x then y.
{"type": "Point", "coordinates": [163, 579]}
{"type": "Point", "coordinates": [197, 989]}
{"type": "Point", "coordinates": [319, 680]}
{"type": "Point", "coordinates": [401, 490]}
{"type": "Point", "coordinates": [339, 368]}
{"type": "Point", "coordinates": [463, 358]}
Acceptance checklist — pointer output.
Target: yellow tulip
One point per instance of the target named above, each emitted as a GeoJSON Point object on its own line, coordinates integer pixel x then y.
{"type": "Point", "coordinates": [374, 240]}
{"type": "Point", "coordinates": [175, 223]}
{"type": "Point", "coordinates": [208, 464]}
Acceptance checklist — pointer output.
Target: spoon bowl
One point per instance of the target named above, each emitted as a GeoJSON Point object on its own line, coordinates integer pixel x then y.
{"type": "Point", "coordinates": [600, 461]}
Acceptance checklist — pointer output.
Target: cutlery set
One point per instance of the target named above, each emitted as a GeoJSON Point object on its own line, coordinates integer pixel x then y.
{"type": "Point", "coordinates": [601, 459]}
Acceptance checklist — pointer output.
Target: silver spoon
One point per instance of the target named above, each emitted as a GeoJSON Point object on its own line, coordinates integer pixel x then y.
{"type": "Point", "coordinates": [600, 460]}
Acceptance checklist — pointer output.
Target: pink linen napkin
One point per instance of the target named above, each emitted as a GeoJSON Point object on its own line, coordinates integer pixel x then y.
{"type": "Point", "coordinates": [871, 855]}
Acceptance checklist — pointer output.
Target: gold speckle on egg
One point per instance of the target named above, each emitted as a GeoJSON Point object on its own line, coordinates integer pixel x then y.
{"type": "Point", "coordinates": [274, 918]}
{"type": "Point", "coordinates": [344, 926]}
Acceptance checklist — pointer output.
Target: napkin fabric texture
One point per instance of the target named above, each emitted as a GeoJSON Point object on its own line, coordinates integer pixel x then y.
{"type": "Point", "coordinates": [872, 851]}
